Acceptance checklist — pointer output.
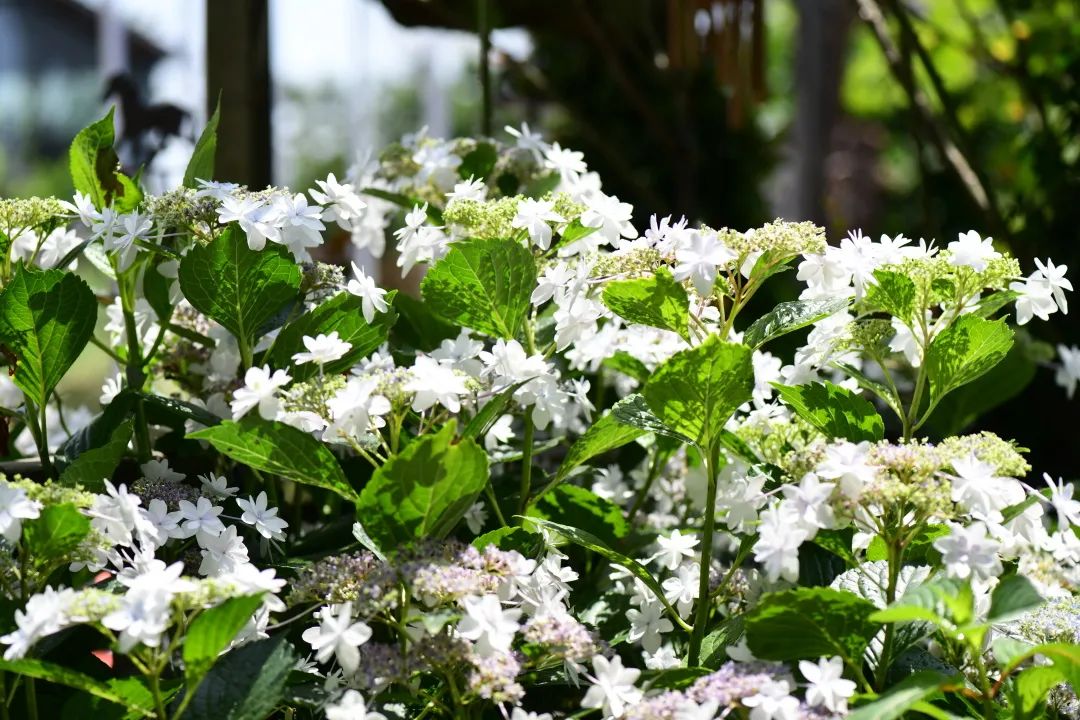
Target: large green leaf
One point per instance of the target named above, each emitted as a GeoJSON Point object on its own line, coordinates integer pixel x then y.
{"type": "Point", "coordinates": [51, 672]}
{"type": "Point", "coordinates": [1012, 597]}
{"type": "Point", "coordinates": [893, 292]}
{"type": "Point", "coordinates": [835, 411]}
{"type": "Point", "coordinates": [697, 390]}
{"type": "Point", "coordinates": [239, 287]}
{"type": "Point", "coordinates": [341, 314]}
{"type": "Point", "coordinates": [484, 284]}
{"type": "Point", "coordinates": [901, 697]}
{"type": "Point", "coordinates": [201, 164]}
{"type": "Point", "coordinates": [418, 327]}
{"type": "Point", "coordinates": [584, 509]}
{"type": "Point", "coordinates": [965, 350]}
{"type": "Point", "coordinates": [245, 684]}
{"type": "Point", "coordinates": [657, 301]}
{"type": "Point", "coordinates": [93, 467]}
{"type": "Point", "coordinates": [607, 433]}
{"type": "Point", "coordinates": [790, 316]}
{"type": "Point", "coordinates": [212, 631]}
{"type": "Point", "coordinates": [54, 535]}
{"type": "Point", "coordinates": [46, 319]}
{"type": "Point", "coordinates": [423, 491]}
{"type": "Point", "coordinates": [280, 449]}
{"type": "Point", "coordinates": [810, 623]}
{"type": "Point", "coordinates": [632, 410]}
{"type": "Point", "coordinates": [589, 541]}
{"type": "Point", "coordinates": [95, 166]}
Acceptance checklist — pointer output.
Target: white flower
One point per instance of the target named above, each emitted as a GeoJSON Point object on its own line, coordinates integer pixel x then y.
{"type": "Point", "coordinates": [681, 589]}
{"type": "Point", "coordinates": [435, 383]}
{"type": "Point", "coordinates": [1054, 277]}
{"type": "Point", "coordinates": [699, 259]}
{"type": "Point", "coordinates": [340, 202]}
{"type": "Point", "coordinates": [45, 613]}
{"type": "Point", "coordinates": [475, 517]}
{"type": "Point", "coordinates": [674, 548]}
{"type": "Point", "coordinates": [338, 636]}
{"type": "Point", "coordinates": [646, 625]}
{"type": "Point", "coordinates": [146, 608]}
{"type": "Point", "coordinates": [160, 470]}
{"type": "Point", "coordinates": [15, 507]}
{"type": "Point", "coordinates": [471, 189]}
{"type": "Point", "coordinates": [610, 215]}
{"type": "Point", "coordinates": [827, 685]}
{"type": "Point", "coordinates": [351, 706]}
{"type": "Point", "coordinates": [217, 485]}
{"type": "Point", "coordinates": [612, 686]}
{"type": "Point", "coordinates": [355, 409]}
{"type": "Point", "coordinates": [265, 521]}
{"type": "Point", "coordinates": [222, 554]}
{"type": "Point", "coordinates": [322, 349]}
{"type": "Point", "coordinates": [969, 552]}
{"type": "Point", "coordinates": [568, 163]}
{"type": "Point", "coordinates": [488, 624]}
{"type": "Point", "coordinates": [260, 388]}
{"type": "Point", "coordinates": [531, 142]}
{"type": "Point", "coordinates": [773, 702]}
{"type": "Point", "coordinates": [663, 659]}
{"type": "Point", "coordinates": [846, 462]}
{"type": "Point", "coordinates": [977, 488]}
{"type": "Point", "coordinates": [201, 517]}
{"type": "Point", "coordinates": [972, 251]}
{"type": "Point", "coordinates": [84, 208]}
{"type": "Point", "coordinates": [501, 432]}
{"type": "Point", "coordinates": [111, 388]}
{"type": "Point", "coordinates": [536, 216]}
{"type": "Point", "coordinates": [1066, 507]}
{"type": "Point", "coordinates": [371, 295]}
{"type": "Point", "coordinates": [1068, 373]}
{"type": "Point", "coordinates": [777, 547]}
{"type": "Point", "coordinates": [214, 189]}
{"type": "Point", "coordinates": [300, 226]}
{"type": "Point", "coordinates": [165, 523]}
{"type": "Point", "coordinates": [1034, 299]}
{"type": "Point", "coordinates": [254, 217]}
{"type": "Point", "coordinates": [808, 503]}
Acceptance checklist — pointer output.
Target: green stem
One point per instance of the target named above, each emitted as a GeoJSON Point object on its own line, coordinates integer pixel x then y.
{"type": "Point", "coordinates": [35, 418]}
{"type": "Point", "coordinates": [701, 612]}
{"type": "Point", "coordinates": [31, 699]}
{"type": "Point", "coordinates": [134, 372]}
{"type": "Point", "coordinates": [895, 558]}
{"type": "Point", "coordinates": [526, 465]}
{"type": "Point", "coordinates": [159, 699]}
{"type": "Point", "coordinates": [643, 493]}
{"type": "Point", "coordinates": [4, 712]}
{"type": "Point", "coordinates": [494, 502]}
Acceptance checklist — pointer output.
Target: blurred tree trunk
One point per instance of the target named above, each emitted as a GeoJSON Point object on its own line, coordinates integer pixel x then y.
{"type": "Point", "coordinates": [238, 68]}
{"type": "Point", "coordinates": [824, 27]}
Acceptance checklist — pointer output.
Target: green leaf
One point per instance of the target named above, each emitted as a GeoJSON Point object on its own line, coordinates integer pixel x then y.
{"type": "Point", "coordinates": [893, 292]}
{"type": "Point", "coordinates": [632, 410]}
{"type": "Point", "coordinates": [901, 697]}
{"type": "Point", "coordinates": [479, 162]}
{"type": "Point", "coordinates": [790, 316]}
{"type": "Point", "coordinates": [174, 413]}
{"type": "Point", "coordinates": [157, 289]}
{"type": "Point", "coordinates": [341, 314]}
{"type": "Point", "coordinates": [46, 319]}
{"type": "Point", "coordinates": [51, 672]}
{"type": "Point", "coordinates": [810, 623]}
{"type": "Point", "coordinates": [245, 684]}
{"type": "Point", "coordinates": [101, 428]}
{"type": "Point", "coordinates": [866, 383]}
{"type": "Point", "coordinates": [201, 164]}
{"type": "Point", "coordinates": [1033, 687]}
{"type": "Point", "coordinates": [835, 411]}
{"type": "Point", "coordinates": [423, 491]}
{"type": "Point", "coordinates": [240, 288]}
{"type": "Point", "coordinates": [483, 284]}
{"type": "Point", "coordinates": [965, 350]}
{"type": "Point", "coordinates": [697, 390]}
{"type": "Point", "coordinates": [1012, 597]}
{"type": "Point", "coordinates": [95, 166]}
{"type": "Point", "coordinates": [583, 509]}
{"type": "Point", "coordinates": [483, 420]}
{"type": "Point", "coordinates": [573, 232]}
{"type": "Point", "coordinates": [627, 364]}
{"type": "Point", "coordinates": [93, 467]}
{"type": "Point", "coordinates": [55, 534]}
{"type": "Point", "coordinates": [607, 433]}
{"type": "Point", "coordinates": [212, 631]}
{"type": "Point", "coordinates": [280, 449]}
{"type": "Point", "coordinates": [419, 327]}
{"type": "Point", "coordinates": [714, 645]}
{"type": "Point", "coordinates": [590, 542]}
{"type": "Point", "coordinates": [657, 301]}
{"type": "Point", "coordinates": [510, 538]}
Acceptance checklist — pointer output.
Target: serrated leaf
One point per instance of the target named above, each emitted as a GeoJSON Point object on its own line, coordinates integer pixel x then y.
{"type": "Point", "coordinates": [790, 316]}
{"type": "Point", "coordinates": [484, 284]}
{"type": "Point", "coordinates": [240, 288]}
{"type": "Point", "coordinates": [51, 672]}
{"type": "Point", "coordinates": [589, 541]}
{"type": "Point", "coordinates": [342, 314]}
{"type": "Point", "coordinates": [94, 466]}
{"type": "Point", "coordinates": [632, 410]}
{"type": "Point", "coordinates": [810, 623]}
{"type": "Point", "coordinates": [964, 351]}
{"type": "Point", "coordinates": [94, 168]}
{"type": "Point", "coordinates": [893, 292]}
{"type": "Point", "coordinates": [423, 491]}
{"type": "Point", "coordinates": [46, 319]}
{"type": "Point", "coordinates": [212, 631]}
{"type": "Point", "coordinates": [245, 684]}
{"type": "Point", "coordinates": [201, 164]}
{"type": "Point", "coordinates": [55, 534]}
{"type": "Point", "coordinates": [510, 538]}
{"type": "Point", "coordinates": [695, 391]}
{"type": "Point", "coordinates": [280, 449]}
{"type": "Point", "coordinates": [1012, 597]}
{"type": "Point", "coordinates": [656, 301]}
{"type": "Point", "coordinates": [1033, 687]}
{"type": "Point", "coordinates": [607, 433]}
{"type": "Point", "coordinates": [835, 411]}
{"type": "Point", "coordinates": [714, 645]}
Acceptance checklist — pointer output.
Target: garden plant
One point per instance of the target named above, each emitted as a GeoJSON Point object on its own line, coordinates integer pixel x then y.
{"type": "Point", "coordinates": [584, 474]}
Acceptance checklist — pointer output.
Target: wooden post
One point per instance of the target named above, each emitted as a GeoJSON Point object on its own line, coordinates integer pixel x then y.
{"type": "Point", "coordinates": [238, 67]}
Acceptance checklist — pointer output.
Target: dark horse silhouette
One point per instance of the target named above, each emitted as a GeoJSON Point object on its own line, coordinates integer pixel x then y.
{"type": "Point", "coordinates": [146, 127]}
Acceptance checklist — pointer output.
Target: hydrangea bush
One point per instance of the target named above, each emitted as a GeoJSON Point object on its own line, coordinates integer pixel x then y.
{"type": "Point", "coordinates": [571, 480]}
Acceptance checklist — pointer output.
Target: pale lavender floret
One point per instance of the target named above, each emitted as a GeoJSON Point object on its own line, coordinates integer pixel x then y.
{"type": "Point", "coordinates": [495, 678]}
{"type": "Point", "coordinates": [562, 635]}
